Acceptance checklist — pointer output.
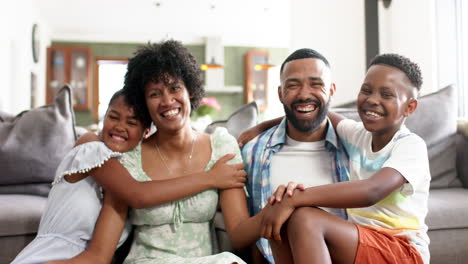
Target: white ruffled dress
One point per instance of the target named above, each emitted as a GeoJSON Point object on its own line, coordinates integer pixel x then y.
{"type": "Point", "coordinates": [72, 209]}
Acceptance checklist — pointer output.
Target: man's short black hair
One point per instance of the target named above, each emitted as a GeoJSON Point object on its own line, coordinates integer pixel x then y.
{"type": "Point", "coordinates": [304, 54]}
{"type": "Point", "coordinates": [411, 69]}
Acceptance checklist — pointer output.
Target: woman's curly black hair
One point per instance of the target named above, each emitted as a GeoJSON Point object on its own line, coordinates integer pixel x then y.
{"type": "Point", "coordinates": [158, 62]}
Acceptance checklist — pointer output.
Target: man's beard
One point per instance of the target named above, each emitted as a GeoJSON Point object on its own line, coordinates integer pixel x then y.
{"type": "Point", "coordinates": [307, 125]}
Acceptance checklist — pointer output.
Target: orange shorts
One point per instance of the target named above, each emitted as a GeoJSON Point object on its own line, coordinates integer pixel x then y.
{"type": "Point", "coordinates": [379, 246]}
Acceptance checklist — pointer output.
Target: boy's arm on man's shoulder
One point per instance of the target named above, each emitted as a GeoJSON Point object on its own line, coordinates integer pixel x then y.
{"type": "Point", "coordinates": [256, 130]}
{"type": "Point", "coordinates": [335, 118]}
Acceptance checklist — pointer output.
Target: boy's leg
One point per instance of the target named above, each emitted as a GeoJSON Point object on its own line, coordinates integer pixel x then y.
{"type": "Point", "coordinates": [316, 236]}
{"type": "Point", "coordinates": [281, 250]}
{"type": "Point", "coordinates": [256, 256]}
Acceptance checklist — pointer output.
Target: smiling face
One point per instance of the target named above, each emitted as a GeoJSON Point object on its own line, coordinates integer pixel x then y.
{"type": "Point", "coordinates": [168, 104]}
{"type": "Point", "coordinates": [305, 93]}
{"type": "Point", "coordinates": [121, 131]}
{"type": "Point", "coordinates": [386, 98]}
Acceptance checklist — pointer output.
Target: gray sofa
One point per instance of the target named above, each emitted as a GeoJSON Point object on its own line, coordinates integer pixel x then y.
{"type": "Point", "coordinates": [22, 201]}
{"type": "Point", "coordinates": [32, 144]}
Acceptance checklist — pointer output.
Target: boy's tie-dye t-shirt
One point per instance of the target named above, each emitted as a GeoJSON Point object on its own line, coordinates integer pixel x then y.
{"type": "Point", "coordinates": [403, 211]}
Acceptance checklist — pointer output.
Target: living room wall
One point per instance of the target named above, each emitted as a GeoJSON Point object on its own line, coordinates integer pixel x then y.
{"type": "Point", "coordinates": [16, 61]}
{"type": "Point", "coordinates": [233, 70]}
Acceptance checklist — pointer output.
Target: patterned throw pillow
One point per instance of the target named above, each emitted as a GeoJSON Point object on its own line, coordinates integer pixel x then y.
{"type": "Point", "coordinates": [33, 143]}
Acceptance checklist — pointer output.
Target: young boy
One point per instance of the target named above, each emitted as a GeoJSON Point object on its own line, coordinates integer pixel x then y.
{"type": "Point", "coordinates": [388, 189]}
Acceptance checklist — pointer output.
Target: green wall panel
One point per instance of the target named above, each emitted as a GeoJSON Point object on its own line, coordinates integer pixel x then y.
{"type": "Point", "coordinates": [233, 70]}
{"type": "Point", "coordinates": [234, 73]}
{"type": "Point", "coordinates": [83, 118]}
{"type": "Point", "coordinates": [126, 50]}
{"type": "Point", "coordinates": [229, 102]}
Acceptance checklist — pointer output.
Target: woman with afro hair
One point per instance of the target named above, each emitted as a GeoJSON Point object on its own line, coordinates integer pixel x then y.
{"type": "Point", "coordinates": [163, 82]}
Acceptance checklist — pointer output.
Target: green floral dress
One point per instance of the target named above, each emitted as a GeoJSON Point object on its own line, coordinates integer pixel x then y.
{"type": "Point", "coordinates": [181, 231]}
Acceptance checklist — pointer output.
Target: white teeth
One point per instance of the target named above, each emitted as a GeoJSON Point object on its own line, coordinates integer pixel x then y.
{"type": "Point", "coordinates": [374, 114]}
{"type": "Point", "coordinates": [170, 113]}
{"type": "Point", "coordinates": [118, 138]}
{"type": "Point", "coordinates": [306, 108]}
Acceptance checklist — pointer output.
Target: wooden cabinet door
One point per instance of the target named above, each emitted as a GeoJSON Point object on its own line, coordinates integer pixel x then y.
{"type": "Point", "coordinates": [256, 78]}
{"type": "Point", "coordinates": [70, 64]}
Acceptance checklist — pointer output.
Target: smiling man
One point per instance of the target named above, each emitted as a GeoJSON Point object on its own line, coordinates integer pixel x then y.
{"type": "Point", "coordinates": [304, 147]}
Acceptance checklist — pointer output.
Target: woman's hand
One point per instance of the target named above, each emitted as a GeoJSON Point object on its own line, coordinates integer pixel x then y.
{"type": "Point", "coordinates": [282, 190]}
{"type": "Point", "coordinates": [227, 176]}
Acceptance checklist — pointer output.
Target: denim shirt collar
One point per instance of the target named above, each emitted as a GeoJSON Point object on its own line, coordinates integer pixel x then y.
{"type": "Point", "coordinates": [278, 138]}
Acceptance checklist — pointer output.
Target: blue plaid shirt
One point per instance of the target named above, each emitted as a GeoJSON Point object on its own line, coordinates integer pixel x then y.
{"type": "Point", "coordinates": [257, 155]}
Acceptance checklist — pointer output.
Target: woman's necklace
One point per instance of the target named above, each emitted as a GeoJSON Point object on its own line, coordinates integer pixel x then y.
{"type": "Point", "coordinates": [163, 157]}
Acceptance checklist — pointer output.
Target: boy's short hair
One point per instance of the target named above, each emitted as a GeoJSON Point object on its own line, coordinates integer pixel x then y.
{"type": "Point", "coordinates": [411, 69]}
{"type": "Point", "coordinates": [305, 54]}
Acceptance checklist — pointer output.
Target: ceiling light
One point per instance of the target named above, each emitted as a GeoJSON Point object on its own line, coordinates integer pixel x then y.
{"type": "Point", "coordinates": [211, 65]}
{"type": "Point", "coordinates": [265, 66]}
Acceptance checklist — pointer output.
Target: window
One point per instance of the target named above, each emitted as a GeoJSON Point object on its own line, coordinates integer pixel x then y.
{"type": "Point", "coordinates": [111, 73]}
{"type": "Point", "coordinates": [452, 50]}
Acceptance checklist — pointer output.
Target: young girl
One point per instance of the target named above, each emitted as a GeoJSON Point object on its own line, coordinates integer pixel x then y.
{"type": "Point", "coordinates": [388, 189]}
{"type": "Point", "coordinates": [76, 200]}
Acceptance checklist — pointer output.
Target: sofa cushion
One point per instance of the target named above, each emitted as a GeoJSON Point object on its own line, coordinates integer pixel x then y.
{"type": "Point", "coordinates": [6, 117]}
{"type": "Point", "coordinates": [449, 246]}
{"type": "Point", "coordinates": [448, 209]}
{"type": "Point", "coordinates": [435, 120]}
{"type": "Point", "coordinates": [20, 214]}
{"type": "Point", "coordinates": [34, 142]}
{"type": "Point", "coordinates": [243, 118]}
{"type": "Point", "coordinates": [41, 189]}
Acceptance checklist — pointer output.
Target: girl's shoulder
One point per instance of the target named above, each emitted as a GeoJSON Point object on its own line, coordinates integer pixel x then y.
{"type": "Point", "coordinates": [83, 158]}
{"type": "Point", "coordinates": [87, 137]}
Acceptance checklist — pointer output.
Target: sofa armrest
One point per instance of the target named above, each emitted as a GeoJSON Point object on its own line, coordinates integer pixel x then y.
{"type": "Point", "coordinates": [462, 151]}
{"type": "Point", "coordinates": [224, 243]}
